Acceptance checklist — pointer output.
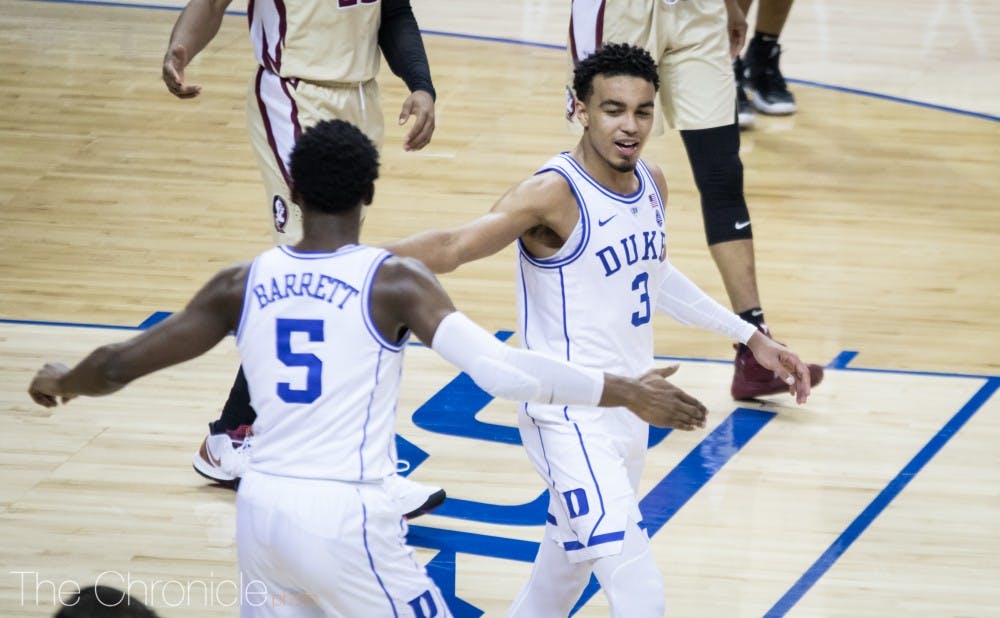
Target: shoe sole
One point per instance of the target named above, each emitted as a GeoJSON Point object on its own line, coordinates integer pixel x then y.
{"type": "Point", "coordinates": [210, 472]}
{"type": "Point", "coordinates": [433, 501]}
{"type": "Point", "coordinates": [745, 121]}
{"type": "Point", "coordinates": [771, 109]}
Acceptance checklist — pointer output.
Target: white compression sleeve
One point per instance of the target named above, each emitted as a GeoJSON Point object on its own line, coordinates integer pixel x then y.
{"type": "Point", "coordinates": [520, 375]}
{"type": "Point", "coordinates": [682, 300]}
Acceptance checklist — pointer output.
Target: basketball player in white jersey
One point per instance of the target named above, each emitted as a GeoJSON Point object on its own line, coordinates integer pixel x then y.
{"type": "Point", "coordinates": [592, 269]}
{"type": "Point", "coordinates": [317, 59]}
{"type": "Point", "coordinates": [693, 43]}
{"type": "Point", "coordinates": [321, 327]}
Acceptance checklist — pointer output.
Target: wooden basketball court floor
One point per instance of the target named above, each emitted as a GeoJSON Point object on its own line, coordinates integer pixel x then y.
{"type": "Point", "coordinates": [877, 244]}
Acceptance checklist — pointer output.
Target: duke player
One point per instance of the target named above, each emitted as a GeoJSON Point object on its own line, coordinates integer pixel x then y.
{"type": "Point", "coordinates": [321, 327]}
{"type": "Point", "coordinates": [693, 43]}
{"type": "Point", "coordinates": [317, 59]}
{"type": "Point", "coordinates": [592, 269]}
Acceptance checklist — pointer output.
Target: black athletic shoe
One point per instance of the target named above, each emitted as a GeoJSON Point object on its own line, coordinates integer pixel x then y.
{"type": "Point", "coordinates": [745, 116]}
{"type": "Point", "coordinates": [765, 83]}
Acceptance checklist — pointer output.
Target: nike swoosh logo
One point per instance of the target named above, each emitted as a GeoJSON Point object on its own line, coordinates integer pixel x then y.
{"type": "Point", "coordinates": [215, 461]}
{"type": "Point", "coordinates": [603, 222]}
{"type": "Point", "coordinates": [741, 224]}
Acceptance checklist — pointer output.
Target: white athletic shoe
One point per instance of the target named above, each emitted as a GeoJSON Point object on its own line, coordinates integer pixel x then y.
{"type": "Point", "coordinates": [413, 499]}
{"type": "Point", "coordinates": [223, 457]}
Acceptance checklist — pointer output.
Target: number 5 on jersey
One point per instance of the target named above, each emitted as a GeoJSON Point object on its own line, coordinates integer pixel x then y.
{"type": "Point", "coordinates": [314, 366]}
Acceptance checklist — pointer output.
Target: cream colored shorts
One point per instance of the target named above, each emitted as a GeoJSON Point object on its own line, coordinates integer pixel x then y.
{"type": "Point", "coordinates": [278, 110]}
{"type": "Point", "coordinates": [688, 40]}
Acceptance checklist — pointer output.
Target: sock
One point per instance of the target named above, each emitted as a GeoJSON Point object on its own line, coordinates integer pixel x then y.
{"type": "Point", "coordinates": [761, 45]}
{"type": "Point", "coordinates": [754, 315]}
{"type": "Point", "coordinates": [237, 410]}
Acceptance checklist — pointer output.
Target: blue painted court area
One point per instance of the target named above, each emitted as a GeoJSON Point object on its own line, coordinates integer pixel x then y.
{"type": "Point", "coordinates": [452, 411]}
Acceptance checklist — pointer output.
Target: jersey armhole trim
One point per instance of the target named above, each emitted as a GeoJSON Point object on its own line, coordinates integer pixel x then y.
{"type": "Point", "coordinates": [245, 309]}
{"type": "Point", "coordinates": [558, 262]}
{"type": "Point", "coordinates": [366, 308]}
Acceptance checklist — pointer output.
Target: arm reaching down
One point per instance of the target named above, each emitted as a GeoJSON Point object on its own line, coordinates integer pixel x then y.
{"type": "Point", "coordinates": [682, 300]}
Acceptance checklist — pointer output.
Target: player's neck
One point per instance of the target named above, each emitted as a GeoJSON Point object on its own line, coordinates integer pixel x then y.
{"type": "Point", "coordinates": [621, 182]}
{"type": "Point", "coordinates": [322, 232]}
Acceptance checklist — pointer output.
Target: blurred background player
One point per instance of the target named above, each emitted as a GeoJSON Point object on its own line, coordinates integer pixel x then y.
{"type": "Point", "coordinates": [759, 82]}
{"type": "Point", "coordinates": [693, 44]}
{"type": "Point", "coordinates": [317, 60]}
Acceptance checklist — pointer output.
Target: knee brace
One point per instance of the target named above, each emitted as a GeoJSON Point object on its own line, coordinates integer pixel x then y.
{"type": "Point", "coordinates": [714, 155]}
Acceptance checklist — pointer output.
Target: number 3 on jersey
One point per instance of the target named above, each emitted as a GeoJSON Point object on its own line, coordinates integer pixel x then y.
{"type": "Point", "coordinates": [641, 284]}
{"type": "Point", "coordinates": [314, 366]}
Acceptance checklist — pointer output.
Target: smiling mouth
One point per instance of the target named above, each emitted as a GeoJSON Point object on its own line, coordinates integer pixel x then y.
{"type": "Point", "coordinates": [627, 147]}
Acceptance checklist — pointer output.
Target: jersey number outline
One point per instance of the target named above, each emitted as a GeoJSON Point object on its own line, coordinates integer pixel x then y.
{"type": "Point", "coordinates": [313, 364]}
{"type": "Point", "coordinates": [641, 281]}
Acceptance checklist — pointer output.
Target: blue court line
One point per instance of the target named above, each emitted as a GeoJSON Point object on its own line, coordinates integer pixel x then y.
{"type": "Point", "coordinates": [503, 335]}
{"type": "Point", "coordinates": [843, 359]}
{"type": "Point", "coordinates": [538, 44]}
{"type": "Point", "coordinates": [895, 99]}
{"type": "Point", "coordinates": [882, 500]}
{"type": "Point", "coordinates": [71, 324]}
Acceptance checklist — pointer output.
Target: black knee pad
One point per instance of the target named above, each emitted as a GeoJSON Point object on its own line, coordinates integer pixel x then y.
{"type": "Point", "coordinates": [714, 155]}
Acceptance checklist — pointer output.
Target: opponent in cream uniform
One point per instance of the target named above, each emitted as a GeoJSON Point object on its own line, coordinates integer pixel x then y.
{"type": "Point", "coordinates": [591, 304]}
{"type": "Point", "coordinates": [318, 59]}
{"type": "Point", "coordinates": [687, 39]}
{"type": "Point", "coordinates": [324, 383]}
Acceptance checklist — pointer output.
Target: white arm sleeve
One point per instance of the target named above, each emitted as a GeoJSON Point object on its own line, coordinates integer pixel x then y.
{"type": "Point", "coordinates": [685, 302]}
{"type": "Point", "coordinates": [520, 375]}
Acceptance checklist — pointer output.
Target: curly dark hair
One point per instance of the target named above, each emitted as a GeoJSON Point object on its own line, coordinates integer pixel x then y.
{"type": "Point", "coordinates": [611, 60]}
{"type": "Point", "coordinates": [334, 166]}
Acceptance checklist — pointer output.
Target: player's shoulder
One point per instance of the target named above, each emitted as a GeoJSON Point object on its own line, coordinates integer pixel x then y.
{"type": "Point", "coordinates": [654, 170]}
{"type": "Point", "coordinates": [399, 273]}
{"type": "Point", "coordinates": [656, 173]}
{"type": "Point", "coordinates": [547, 186]}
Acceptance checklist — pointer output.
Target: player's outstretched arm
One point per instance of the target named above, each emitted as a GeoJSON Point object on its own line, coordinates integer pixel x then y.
{"type": "Point", "coordinates": [407, 296]}
{"type": "Point", "coordinates": [539, 201]}
{"type": "Point", "coordinates": [197, 25]}
{"type": "Point", "coordinates": [212, 313]}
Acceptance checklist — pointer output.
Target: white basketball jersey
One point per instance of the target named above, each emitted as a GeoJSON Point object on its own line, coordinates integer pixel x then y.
{"type": "Point", "coordinates": [592, 302]}
{"type": "Point", "coordinates": [317, 40]}
{"type": "Point", "coordinates": [323, 380]}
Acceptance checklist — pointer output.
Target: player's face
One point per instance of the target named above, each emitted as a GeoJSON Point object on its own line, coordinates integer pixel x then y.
{"type": "Point", "coordinates": [617, 118]}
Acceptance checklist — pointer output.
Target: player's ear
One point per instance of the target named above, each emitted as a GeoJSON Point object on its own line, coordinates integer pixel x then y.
{"type": "Point", "coordinates": [581, 113]}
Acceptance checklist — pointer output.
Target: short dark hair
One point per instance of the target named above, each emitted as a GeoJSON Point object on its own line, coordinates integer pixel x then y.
{"type": "Point", "coordinates": [334, 166]}
{"type": "Point", "coordinates": [611, 60]}
{"type": "Point", "coordinates": [103, 602]}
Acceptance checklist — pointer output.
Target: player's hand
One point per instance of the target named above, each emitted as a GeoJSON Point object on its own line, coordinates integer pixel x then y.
{"type": "Point", "coordinates": [45, 389]}
{"type": "Point", "coordinates": [421, 105]}
{"type": "Point", "coordinates": [173, 73]}
{"type": "Point", "coordinates": [664, 405]}
{"type": "Point", "coordinates": [736, 26]}
{"type": "Point", "coordinates": [783, 362]}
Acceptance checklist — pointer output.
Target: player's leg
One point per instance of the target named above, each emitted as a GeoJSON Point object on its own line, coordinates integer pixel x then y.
{"type": "Point", "coordinates": [702, 106]}
{"type": "Point", "coordinates": [765, 83]}
{"type": "Point", "coordinates": [592, 500]}
{"type": "Point", "coordinates": [273, 125]}
{"type": "Point", "coordinates": [631, 580]}
{"type": "Point", "coordinates": [555, 583]}
{"type": "Point", "coordinates": [333, 547]}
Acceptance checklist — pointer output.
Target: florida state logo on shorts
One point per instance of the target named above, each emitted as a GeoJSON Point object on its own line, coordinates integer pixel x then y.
{"type": "Point", "coordinates": [280, 210]}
